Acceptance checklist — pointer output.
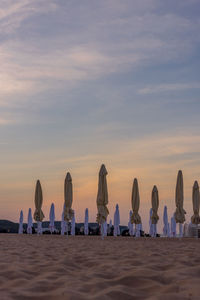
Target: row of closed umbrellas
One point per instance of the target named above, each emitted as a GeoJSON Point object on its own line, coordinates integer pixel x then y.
{"type": "Point", "coordinates": [102, 202]}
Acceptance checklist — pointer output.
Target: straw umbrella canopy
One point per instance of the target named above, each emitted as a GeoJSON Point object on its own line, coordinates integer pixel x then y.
{"type": "Point", "coordinates": [180, 212]}
{"type": "Point", "coordinates": [155, 204]}
{"type": "Point", "coordinates": [195, 219]}
{"type": "Point", "coordinates": [68, 193]}
{"type": "Point", "coordinates": [102, 196]}
{"type": "Point", "coordinates": [38, 214]}
{"type": "Point", "coordinates": [135, 203]}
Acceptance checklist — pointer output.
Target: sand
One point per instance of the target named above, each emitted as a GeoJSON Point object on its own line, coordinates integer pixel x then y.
{"type": "Point", "coordinates": [54, 267]}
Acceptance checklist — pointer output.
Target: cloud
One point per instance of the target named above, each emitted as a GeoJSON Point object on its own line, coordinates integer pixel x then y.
{"type": "Point", "coordinates": [87, 47]}
{"type": "Point", "coordinates": [160, 88]}
{"type": "Point", "coordinates": [14, 12]}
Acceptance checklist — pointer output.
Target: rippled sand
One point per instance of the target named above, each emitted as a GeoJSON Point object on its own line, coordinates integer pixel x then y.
{"type": "Point", "coordinates": [54, 267]}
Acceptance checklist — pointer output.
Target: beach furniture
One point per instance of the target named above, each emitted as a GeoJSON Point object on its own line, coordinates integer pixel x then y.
{"type": "Point", "coordinates": [73, 224]}
{"type": "Point", "coordinates": [38, 214]}
{"type": "Point", "coordinates": [102, 199]}
{"type": "Point", "coordinates": [180, 212]}
{"type": "Point", "coordinates": [20, 230]}
{"type": "Point", "coordinates": [63, 222]}
{"type": "Point", "coordinates": [165, 222]}
{"type": "Point", "coordinates": [86, 222]}
{"type": "Point", "coordinates": [52, 218]}
{"type": "Point", "coordinates": [135, 201]}
{"type": "Point", "coordinates": [29, 222]}
{"type": "Point", "coordinates": [130, 225]}
{"type": "Point", "coordinates": [155, 205]}
{"type": "Point", "coordinates": [195, 219]}
{"type": "Point", "coordinates": [150, 222]}
{"type": "Point", "coordinates": [173, 227]}
{"type": "Point", "coordinates": [116, 221]}
{"type": "Point", "coordinates": [68, 195]}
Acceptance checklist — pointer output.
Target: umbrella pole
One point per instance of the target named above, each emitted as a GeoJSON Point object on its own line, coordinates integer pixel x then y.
{"type": "Point", "coordinates": [102, 231]}
{"type": "Point", "coordinates": [180, 230]}
{"type": "Point", "coordinates": [197, 235]}
{"type": "Point", "coordinates": [67, 228]}
{"type": "Point", "coordinates": [38, 227]}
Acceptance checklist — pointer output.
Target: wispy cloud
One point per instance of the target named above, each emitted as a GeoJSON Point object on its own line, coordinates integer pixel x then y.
{"type": "Point", "coordinates": [160, 88]}
{"type": "Point", "coordinates": [105, 46]}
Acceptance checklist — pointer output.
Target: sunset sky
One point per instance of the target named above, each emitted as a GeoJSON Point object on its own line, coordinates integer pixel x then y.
{"type": "Point", "coordinates": [89, 82]}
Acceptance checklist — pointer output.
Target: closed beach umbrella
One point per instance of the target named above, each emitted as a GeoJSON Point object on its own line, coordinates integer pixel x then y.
{"type": "Point", "coordinates": [165, 221]}
{"type": "Point", "coordinates": [173, 227]}
{"type": "Point", "coordinates": [136, 219]}
{"type": "Point", "coordinates": [102, 198]}
{"type": "Point", "coordinates": [20, 231]}
{"type": "Point", "coordinates": [86, 222]}
{"type": "Point", "coordinates": [110, 227]}
{"type": "Point", "coordinates": [140, 226]}
{"type": "Point", "coordinates": [68, 193]}
{"type": "Point", "coordinates": [195, 219]}
{"type": "Point", "coordinates": [73, 225]}
{"type": "Point", "coordinates": [63, 223]}
{"type": "Point", "coordinates": [168, 230]}
{"type": "Point", "coordinates": [155, 205]}
{"type": "Point", "coordinates": [116, 221]}
{"type": "Point", "coordinates": [180, 212]}
{"type": "Point", "coordinates": [105, 228]}
{"type": "Point", "coordinates": [150, 223]}
{"type": "Point", "coordinates": [30, 222]}
{"type": "Point", "coordinates": [38, 214]}
{"type": "Point", "coordinates": [52, 218]}
{"type": "Point", "coordinates": [130, 225]}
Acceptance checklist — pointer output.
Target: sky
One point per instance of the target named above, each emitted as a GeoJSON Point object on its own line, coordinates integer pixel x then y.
{"type": "Point", "coordinates": [89, 82]}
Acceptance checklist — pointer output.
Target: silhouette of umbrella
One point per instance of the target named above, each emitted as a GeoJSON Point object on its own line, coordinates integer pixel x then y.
{"type": "Point", "coordinates": [38, 214]}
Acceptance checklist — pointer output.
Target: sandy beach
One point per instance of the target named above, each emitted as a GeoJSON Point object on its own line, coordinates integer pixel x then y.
{"type": "Point", "coordinates": [53, 267]}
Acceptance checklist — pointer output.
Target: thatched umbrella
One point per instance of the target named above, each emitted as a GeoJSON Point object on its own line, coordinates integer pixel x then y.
{"type": "Point", "coordinates": [195, 219]}
{"type": "Point", "coordinates": [102, 198]}
{"type": "Point", "coordinates": [68, 194]}
{"type": "Point", "coordinates": [38, 214]}
{"type": "Point", "coordinates": [180, 212]}
{"type": "Point", "coordinates": [155, 204]}
{"type": "Point", "coordinates": [136, 219]}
